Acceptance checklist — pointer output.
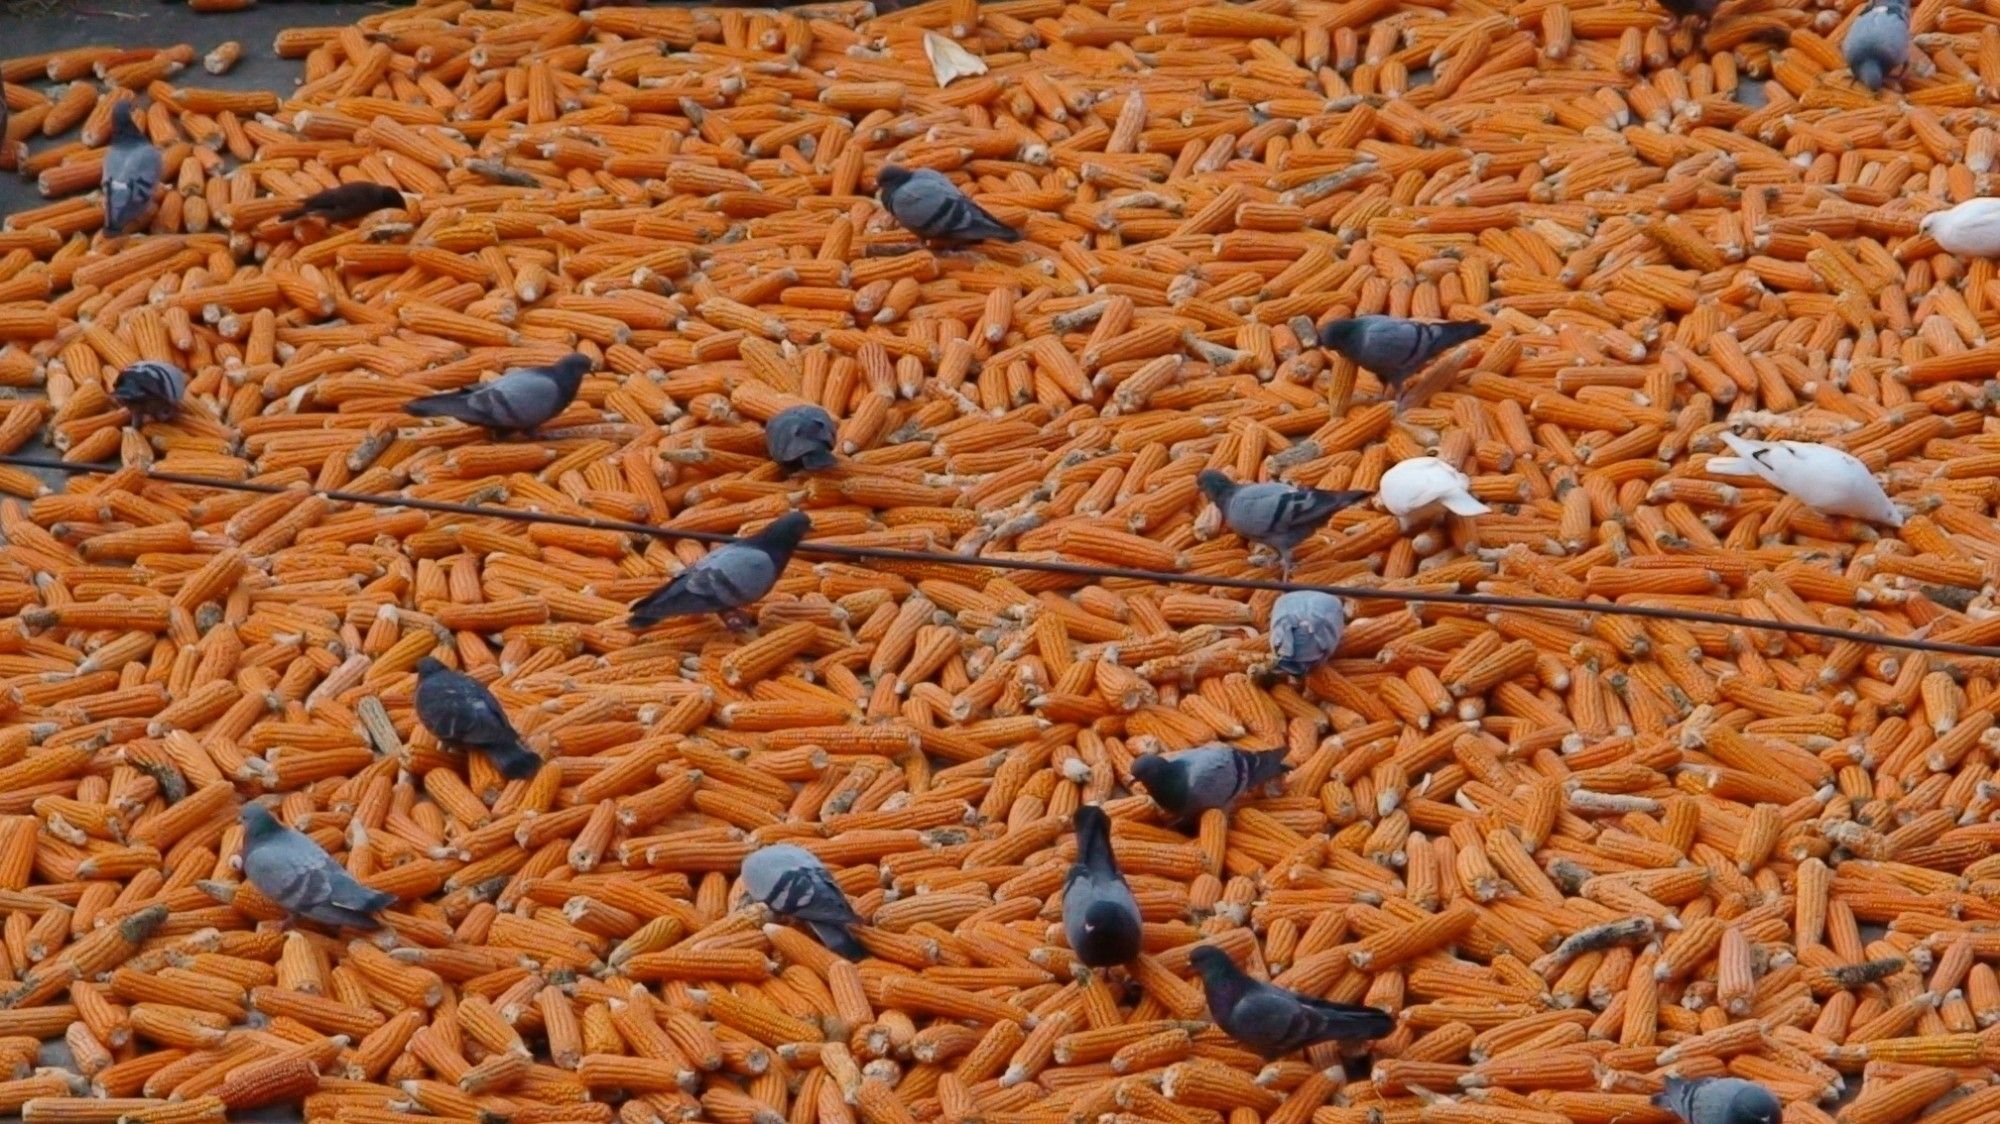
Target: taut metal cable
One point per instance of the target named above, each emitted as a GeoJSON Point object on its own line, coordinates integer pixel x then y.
{"type": "Point", "coordinates": [1037, 565]}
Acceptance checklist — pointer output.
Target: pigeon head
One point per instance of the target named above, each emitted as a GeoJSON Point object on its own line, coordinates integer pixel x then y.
{"type": "Point", "coordinates": [570, 369]}
{"type": "Point", "coordinates": [1212, 963]}
{"type": "Point", "coordinates": [1869, 73]}
{"type": "Point", "coordinates": [1338, 333]}
{"type": "Point", "coordinates": [429, 666]}
{"type": "Point", "coordinates": [132, 386]}
{"type": "Point", "coordinates": [1216, 485]}
{"type": "Point", "coordinates": [124, 124]}
{"type": "Point", "coordinates": [1929, 222]}
{"type": "Point", "coordinates": [890, 178]}
{"type": "Point", "coordinates": [1755, 1105]}
{"type": "Point", "coordinates": [786, 531]}
{"type": "Point", "coordinates": [1167, 784]}
{"type": "Point", "coordinates": [258, 822]}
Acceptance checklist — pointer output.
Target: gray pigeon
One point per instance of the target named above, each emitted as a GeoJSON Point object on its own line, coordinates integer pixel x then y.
{"type": "Point", "coordinates": [931, 206]}
{"type": "Point", "coordinates": [132, 169]}
{"type": "Point", "coordinates": [1719, 1100]}
{"type": "Point", "coordinates": [1878, 41]}
{"type": "Point", "coordinates": [796, 885]}
{"type": "Point", "coordinates": [516, 402]}
{"type": "Point", "coordinates": [460, 711]}
{"type": "Point", "coordinates": [1189, 783]}
{"type": "Point", "coordinates": [1100, 915]}
{"type": "Point", "coordinates": [1393, 348]}
{"type": "Point", "coordinates": [728, 577]}
{"type": "Point", "coordinates": [1275, 1021]}
{"type": "Point", "coordinates": [151, 391]}
{"type": "Point", "coordinates": [346, 203]}
{"type": "Point", "coordinates": [1281, 516]}
{"type": "Point", "coordinates": [290, 869]}
{"type": "Point", "coordinates": [1305, 629]}
{"type": "Point", "coordinates": [800, 438]}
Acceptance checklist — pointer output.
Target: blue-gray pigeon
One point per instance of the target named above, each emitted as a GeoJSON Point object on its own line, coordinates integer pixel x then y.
{"type": "Point", "coordinates": [800, 438]}
{"type": "Point", "coordinates": [1392, 348]}
{"type": "Point", "coordinates": [1280, 516]}
{"type": "Point", "coordinates": [1720, 1100]}
{"type": "Point", "coordinates": [796, 885]}
{"type": "Point", "coordinates": [931, 206]}
{"type": "Point", "coordinates": [152, 391]}
{"type": "Point", "coordinates": [519, 401]}
{"type": "Point", "coordinates": [1188, 783]}
{"type": "Point", "coordinates": [292, 870]}
{"type": "Point", "coordinates": [132, 168]}
{"type": "Point", "coordinates": [729, 577]}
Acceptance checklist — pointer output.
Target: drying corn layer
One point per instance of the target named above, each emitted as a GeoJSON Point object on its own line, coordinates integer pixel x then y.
{"type": "Point", "coordinates": [1574, 853]}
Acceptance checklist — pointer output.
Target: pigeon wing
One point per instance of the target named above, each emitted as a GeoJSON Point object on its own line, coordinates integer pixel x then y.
{"type": "Point", "coordinates": [347, 892]}
{"type": "Point", "coordinates": [1302, 510]}
{"type": "Point", "coordinates": [131, 172]}
{"type": "Point", "coordinates": [1271, 1021]}
{"type": "Point", "coordinates": [295, 880]}
{"type": "Point", "coordinates": [1214, 777]}
{"type": "Point", "coordinates": [1389, 347]}
{"type": "Point", "coordinates": [934, 207]}
{"type": "Point", "coordinates": [465, 712]}
{"type": "Point", "coordinates": [811, 894]}
{"type": "Point", "coordinates": [518, 400]}
{"type": "Point", "coordinates": [730, 578]}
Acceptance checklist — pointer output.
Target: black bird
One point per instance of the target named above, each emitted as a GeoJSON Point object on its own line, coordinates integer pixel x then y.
{"type": "Point", "coordinates": [346, 203]}
{"type": "Point", "coordinates": [461, 712]}
{"type": "Point", "coordinates": [1275, 1021]}
{"type": "Point", "coordinates": [1100, 915]}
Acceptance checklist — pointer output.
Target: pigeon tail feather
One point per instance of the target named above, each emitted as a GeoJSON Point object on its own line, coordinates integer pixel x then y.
{"type": "Point", "coordinates": [1462, 503]}
{"type": "Point", "coordinates": [437, 405]}
{"type": "Point", "coordinates": [515, 761]}
{"type": "Point", "coordinates": [839, 939]}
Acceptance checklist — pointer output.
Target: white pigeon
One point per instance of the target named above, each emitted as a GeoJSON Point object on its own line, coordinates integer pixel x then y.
{"type": "Point", "coordinates": [1822, 477]}
{"type": "Point", "coordinates": [1416, 486]}
{"type": "Point", "coordinates": [1972, 228]}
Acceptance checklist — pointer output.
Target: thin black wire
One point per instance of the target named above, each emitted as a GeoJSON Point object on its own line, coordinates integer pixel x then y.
{"type": "Point", "coordinates": [1071, 569]}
